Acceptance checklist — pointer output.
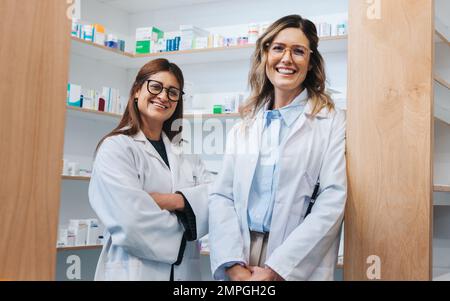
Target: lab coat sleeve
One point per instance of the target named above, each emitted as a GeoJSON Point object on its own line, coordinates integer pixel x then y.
{"type": "Point", "coordinates": [226, 241]}
{"type": "Point", "coordinates": [197, 196]}
{"type": "Point", "coordinates": [303, 250]}
{"type": "Point", "coordinates": [130, 215]}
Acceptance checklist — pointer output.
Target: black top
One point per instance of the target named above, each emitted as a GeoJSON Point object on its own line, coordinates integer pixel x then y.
{"type": "Point", "coordinates": [186, 216]}
{"type": "Point", "coordinates": [161, 149]}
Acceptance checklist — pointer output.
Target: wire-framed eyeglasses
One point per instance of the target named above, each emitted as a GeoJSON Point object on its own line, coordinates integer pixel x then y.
{"type": "Point", "coordinates": [298, 52]}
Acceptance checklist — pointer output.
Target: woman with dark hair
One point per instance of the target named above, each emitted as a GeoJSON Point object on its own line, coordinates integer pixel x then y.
{"type": "Point", "coordinates": [151, 197]}
{"type": "Point", "coordinates": [287, 155]}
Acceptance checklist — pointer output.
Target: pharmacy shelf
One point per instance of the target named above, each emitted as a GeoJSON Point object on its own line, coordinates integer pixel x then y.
{"type": "Point", "coordinates": [100, 53]}
{"type": "Point", "coordinates": [233, 53]}
{"type": "Point", "coordinates": [185, 57]}
{"type": "Point", "coordinates": [209, 116]}
{"type": "Point", "coordinates": [441, 32]}
{"type": "Point", "coordinates": [196, 56]}
{"type": "Point", "coordinates": [442, 81]}
{"type": "Point", "coordinates": [76, 178]}
{"type": "Point", "coordinates": [93, 114]}
{"type": "Point", "coordinates": [442, 110]}
{"type": "Point", "coordinates": [441, 188]}
{"type": "Point", "coordinates": [88, 111]}
{"type": "Point", "coordinates": [442, 119]}
{"type": "Point", "coordinates": [78, 248]}
{"type": "Point", "coordinates": [440, 38]}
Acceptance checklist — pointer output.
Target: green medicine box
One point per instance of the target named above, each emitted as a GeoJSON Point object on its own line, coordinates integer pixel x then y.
{"type": "Point", "coordinates": [218, 109]}
{"type": "Point", "coordinates": [146, 37]}
{"type": "Point", "coordinates": [144, 47]}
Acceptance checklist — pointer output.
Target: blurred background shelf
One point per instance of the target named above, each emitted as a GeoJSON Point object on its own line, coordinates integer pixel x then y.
{"type": "Point", "coordinates": [93, 114]}
{"type": "Point", "coordinates": [442, 188]}
{"type": "Point", "coordinates": [78, 248]}
{"type": "Point", "coordinates": [186, 57]}
{"type": "Point", "coordinates": [76, 178]}
{"type": "Point", "coordinates": [100, 53]}
{"type": "Point", "coordinates": [442, 81]}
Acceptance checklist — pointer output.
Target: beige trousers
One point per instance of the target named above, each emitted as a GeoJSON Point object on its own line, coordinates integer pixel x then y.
{"type": "Point", "coordinates": [258, 248]}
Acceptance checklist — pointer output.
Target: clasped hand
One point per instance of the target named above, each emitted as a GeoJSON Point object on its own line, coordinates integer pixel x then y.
{"type": "Point", "coordinates": [252, 273]}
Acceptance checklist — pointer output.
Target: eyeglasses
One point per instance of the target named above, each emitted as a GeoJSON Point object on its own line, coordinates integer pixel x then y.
{"type": "Point", "coordinates": [299, 52]}
{"type": "Point", "coordinates": [155, 88]}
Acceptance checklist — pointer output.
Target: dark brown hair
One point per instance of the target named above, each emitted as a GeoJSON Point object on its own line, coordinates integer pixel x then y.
{"type": "Point", "coordinates": [131, 122]}
{"type": "Point", "coordinates": [262, 90]}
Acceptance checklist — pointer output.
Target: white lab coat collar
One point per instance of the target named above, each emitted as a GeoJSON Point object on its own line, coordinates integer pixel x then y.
{"type": "Point", "coordinates": [171, 149]}
{"type": "Point", "coordinates": [323, 113]}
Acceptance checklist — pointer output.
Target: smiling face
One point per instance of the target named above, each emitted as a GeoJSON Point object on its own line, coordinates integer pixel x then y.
{"type": "Point", "coordinates": [288, 62]}
{"type": "Point", "coordinates": [157, 108]}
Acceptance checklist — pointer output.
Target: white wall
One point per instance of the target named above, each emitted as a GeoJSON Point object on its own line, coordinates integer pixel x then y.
{"type": "Point", "coordinates": [234, 12]}
{"type": "Point", "coordinates": [115, 21]}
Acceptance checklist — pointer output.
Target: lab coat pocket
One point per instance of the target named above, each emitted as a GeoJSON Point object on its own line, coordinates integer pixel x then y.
{"type": "Point", "coordinates": [299, 203]}
{"type": "Point", "coordinates": [309, 193]}
{"type": "Point", "coordinates": [303, 191]}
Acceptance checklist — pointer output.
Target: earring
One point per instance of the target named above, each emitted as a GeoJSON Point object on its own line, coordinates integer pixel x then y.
{"type": "Point", "coordinates": [135, 100]}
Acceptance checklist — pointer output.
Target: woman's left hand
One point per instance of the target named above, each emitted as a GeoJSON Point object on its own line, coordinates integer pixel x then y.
{"type": "Point", "coordinates": [169, 201]}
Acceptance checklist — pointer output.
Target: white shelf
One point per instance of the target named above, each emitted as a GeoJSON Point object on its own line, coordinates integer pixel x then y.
{"type": "Point", "coordinates": [441, 32]}
{"type": "Point", "coordinates": [76, 178]}
{"type": "Point", "coordinates": [197, 56]}
{"type": "Point", "coordinates": [441, 81]}
{"type": "Point", "coordinates": [442, 100]}
{"type": "Point", "coordinates": [185, 57]}
{"type": "Point", "coordinates": [100, 53]}
{"type": "Point", "coordinates": [78, 248]}
{"type": "Point", "coordinates": [441, 188]}
{"type": "Point", "coordinates": [93, 114]}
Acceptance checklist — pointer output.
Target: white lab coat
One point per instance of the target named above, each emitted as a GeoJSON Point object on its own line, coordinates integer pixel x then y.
{"type": "Point", "coordinates": [142, 240]}
{"type": "Point", "coordinates": [298, 248]}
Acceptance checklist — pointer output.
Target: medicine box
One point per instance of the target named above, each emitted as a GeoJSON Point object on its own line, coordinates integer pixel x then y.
{"type": "Point", "coordinates": [74, 95]}
{"type": "Point", "coordinates": [146, 37]}
{"type": "Point", "coordinates": [92, 232]}
{"type": "Point", "coordinates": [79, 229]}
{"type": "Point", "coordinates": [189, 34]}
{"type": "Point", "coordinates": [99, 34]}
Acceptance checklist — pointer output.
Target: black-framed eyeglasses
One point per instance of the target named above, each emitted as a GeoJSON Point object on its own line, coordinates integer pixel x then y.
{"type": "Point", "coordinates": [155, 87]}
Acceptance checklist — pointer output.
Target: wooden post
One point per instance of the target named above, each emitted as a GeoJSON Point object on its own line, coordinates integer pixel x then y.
{"type": "Point", "coordinates": [34, 59]}
{"type": "Point", "coordinates": [388, 223]}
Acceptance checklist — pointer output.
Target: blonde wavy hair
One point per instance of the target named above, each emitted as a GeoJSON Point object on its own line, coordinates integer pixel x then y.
{"type": "Point", "coordinates": [262, 90]}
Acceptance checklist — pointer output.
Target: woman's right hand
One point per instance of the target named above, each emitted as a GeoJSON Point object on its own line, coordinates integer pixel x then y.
{"type": "Point", "coordinates": [238, 273]}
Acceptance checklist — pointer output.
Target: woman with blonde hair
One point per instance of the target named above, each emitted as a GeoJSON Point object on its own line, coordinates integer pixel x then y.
{"type": "Point", "coordinates": [276, 209]}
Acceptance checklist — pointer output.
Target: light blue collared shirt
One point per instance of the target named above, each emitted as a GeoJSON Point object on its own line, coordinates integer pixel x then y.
{"type": "Point", "coordinates": [277, 124]}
